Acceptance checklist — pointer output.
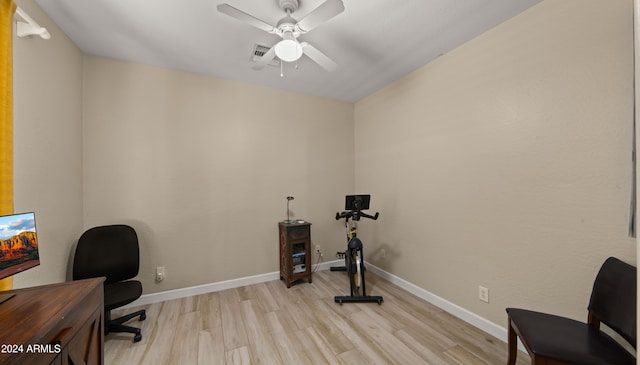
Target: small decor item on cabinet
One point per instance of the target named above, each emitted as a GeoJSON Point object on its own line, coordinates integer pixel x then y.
{"type": "Point", "coordinates": [288, 220]}
{"type": "Point", "coordinates": [295, 251]}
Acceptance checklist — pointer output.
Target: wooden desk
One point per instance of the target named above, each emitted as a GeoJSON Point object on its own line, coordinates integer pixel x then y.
{"type": "Point", "coordinates": [54, 324]}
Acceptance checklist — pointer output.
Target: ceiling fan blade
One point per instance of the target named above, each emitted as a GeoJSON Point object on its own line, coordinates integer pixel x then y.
{"type": "Point", "coordinates": [265, 59]}
{"type": "Point", "coordinates": [318, 57]}
{"type": "Point", "coordinates": [247, 18]}
{"type": "Point", "coordinates": [321, 14]}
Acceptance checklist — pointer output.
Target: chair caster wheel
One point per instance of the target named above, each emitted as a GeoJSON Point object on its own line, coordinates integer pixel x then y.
{"type": "Point", "coordinates": [137, 337]}
{"type": "Point", "coordinates": [143, 316]}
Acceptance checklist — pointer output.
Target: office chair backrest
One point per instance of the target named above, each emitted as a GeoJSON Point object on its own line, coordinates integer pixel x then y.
{"type": "Point", "coordinates": [613, 299]}
{"type": "Point", "coordinates": [109, 251]}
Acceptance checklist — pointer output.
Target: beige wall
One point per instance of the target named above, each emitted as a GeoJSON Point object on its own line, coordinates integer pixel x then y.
{"type": "Point", "coordinates": [506, 163]}
{"type": "Point", "coordinates": [201, 168]}
{"type": "Point", "coordinates": [48, 144]}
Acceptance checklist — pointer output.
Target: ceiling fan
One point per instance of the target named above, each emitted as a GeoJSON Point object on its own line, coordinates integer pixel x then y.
{"type": "Point", "coordinates": [289, 29]}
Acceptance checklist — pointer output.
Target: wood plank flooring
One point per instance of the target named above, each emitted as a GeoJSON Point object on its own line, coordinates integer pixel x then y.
{"type": "Point", "coordinates": [267, 323]}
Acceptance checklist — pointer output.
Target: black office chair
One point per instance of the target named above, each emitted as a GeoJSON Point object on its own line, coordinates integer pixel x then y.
{"type": "Point", "coordinates": [112, 252]}
{"type": "Point", "coordinates": [554, 340]}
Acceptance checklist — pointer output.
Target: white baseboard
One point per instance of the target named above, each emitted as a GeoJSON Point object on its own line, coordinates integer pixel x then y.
{"type": "Point", "coordinates": [202, 289]}
{"type": "Point", "coordinates": [214, 287]}
{"type": "Point", "coordinates": [454, 309]}
{"type": "Point", "coordinates": [464, 314]}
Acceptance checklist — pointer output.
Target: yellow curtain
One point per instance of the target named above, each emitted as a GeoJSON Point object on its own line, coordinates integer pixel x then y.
{"type": "Point", "coordinates": [7, 8]}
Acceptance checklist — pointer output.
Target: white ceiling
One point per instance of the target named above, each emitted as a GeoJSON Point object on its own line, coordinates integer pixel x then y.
{"type": "Point", "coordinates": [374, 42]}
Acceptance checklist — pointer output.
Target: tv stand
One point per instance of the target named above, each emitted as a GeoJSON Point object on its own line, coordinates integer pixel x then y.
{"type": "Point", "coordinates": [54, 324]}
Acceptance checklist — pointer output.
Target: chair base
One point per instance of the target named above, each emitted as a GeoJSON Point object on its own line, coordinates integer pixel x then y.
{"type": "Point", "coordinates": [116, 325]}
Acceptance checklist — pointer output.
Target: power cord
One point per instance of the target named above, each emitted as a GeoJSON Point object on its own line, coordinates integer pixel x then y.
{"type": "Point", "coordinates": [318, 261]}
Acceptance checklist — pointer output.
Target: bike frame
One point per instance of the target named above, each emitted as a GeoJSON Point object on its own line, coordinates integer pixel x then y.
{"type": "Point", "coordinates": [354, 260]}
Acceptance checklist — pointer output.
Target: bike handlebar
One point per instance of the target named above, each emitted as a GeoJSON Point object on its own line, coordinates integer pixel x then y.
{"type": "Point", "coordinates": [351, 213]}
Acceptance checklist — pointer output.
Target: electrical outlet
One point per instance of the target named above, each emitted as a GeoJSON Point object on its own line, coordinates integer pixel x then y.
{"type": "Point", "coordinates": [483, 294]}
{"type": "Point", "coordinates": [159, 273]}
{"type": "Point", "coordinates": [317, 248]}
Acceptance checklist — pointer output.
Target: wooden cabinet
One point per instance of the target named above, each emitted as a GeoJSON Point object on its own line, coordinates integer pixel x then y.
{"type": "Point", "coordinates": [54, 324]}
{"type": "Point", "coordinates": [295, 252]}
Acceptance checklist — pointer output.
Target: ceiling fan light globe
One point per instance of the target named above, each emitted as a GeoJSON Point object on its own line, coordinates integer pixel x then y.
{"type": "Point", "coordinates": [288, 50]}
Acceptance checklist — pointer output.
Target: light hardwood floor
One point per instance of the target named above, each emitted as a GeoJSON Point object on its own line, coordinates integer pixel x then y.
{"type": "Point", "coordinates": [267, 323]}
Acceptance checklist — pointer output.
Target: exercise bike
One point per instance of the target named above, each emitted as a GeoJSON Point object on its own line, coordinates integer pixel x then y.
{"type": "Point", "coordinates": [354, 257]}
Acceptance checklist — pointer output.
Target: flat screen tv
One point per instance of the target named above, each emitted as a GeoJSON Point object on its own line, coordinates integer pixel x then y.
{"type": "Point", "coordinates": [18, 244]}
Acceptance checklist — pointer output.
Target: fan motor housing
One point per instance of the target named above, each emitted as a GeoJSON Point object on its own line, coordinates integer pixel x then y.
{"type": "Point", "coordinates": [289, 5]}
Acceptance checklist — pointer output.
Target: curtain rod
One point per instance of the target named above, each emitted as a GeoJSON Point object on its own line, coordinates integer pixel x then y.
{"type": "Point", "coordinates": [29, 27]}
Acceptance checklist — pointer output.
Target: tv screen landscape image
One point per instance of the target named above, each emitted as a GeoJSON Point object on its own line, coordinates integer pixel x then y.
{"type": "Point", "coordinates": [18, 244]}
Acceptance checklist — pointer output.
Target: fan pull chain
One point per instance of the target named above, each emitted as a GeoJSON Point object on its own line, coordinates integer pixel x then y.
{"type": "Point", "coordinates": [281, 72]}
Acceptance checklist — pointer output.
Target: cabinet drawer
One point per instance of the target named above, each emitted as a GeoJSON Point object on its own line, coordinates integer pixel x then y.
{"type": "Point", "coordinates": [298, 233]}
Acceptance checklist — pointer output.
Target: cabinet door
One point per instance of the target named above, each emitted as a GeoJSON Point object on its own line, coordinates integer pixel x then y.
{"type": "Point", "coordinates": [299, 256]}
{"type": "Point", "coordinates": [86, 346]}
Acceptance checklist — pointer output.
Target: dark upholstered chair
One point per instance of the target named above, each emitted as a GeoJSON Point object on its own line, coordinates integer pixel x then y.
{"type": "Point", "coordinates": [553, 340]}
{"type": "Point", "coordinates": [112, 252]}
